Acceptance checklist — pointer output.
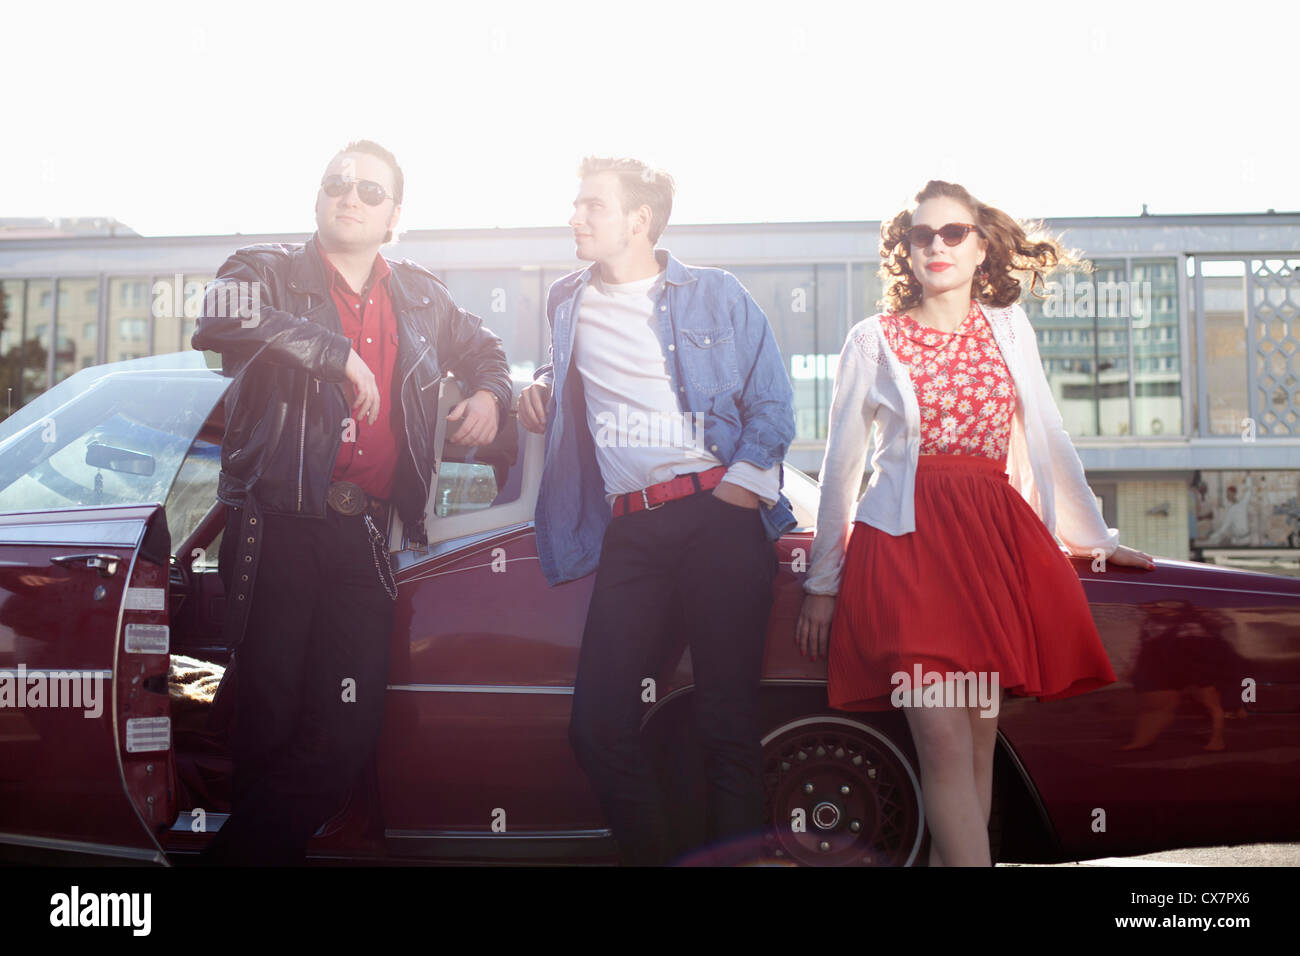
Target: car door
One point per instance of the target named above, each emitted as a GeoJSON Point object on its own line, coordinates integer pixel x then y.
{"type": "Point", "coordinates": [86, 762]}
{"type": "Point", "coordinates": [85, 732]}
{"type": "Point", "coordinates": [475, 760]}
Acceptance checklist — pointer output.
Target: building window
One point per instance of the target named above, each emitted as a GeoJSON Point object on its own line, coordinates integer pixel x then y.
{"type": "Point", "coordinates": [132, 328]}
{"type": "Point", "coordinates": [1097, 318]}
{"type": "Point", "coordinates": [807, 308]}
{"type": "Point", "coordinates": [131, 294]}
{"type": "Point", "coordinates": [510, 302]}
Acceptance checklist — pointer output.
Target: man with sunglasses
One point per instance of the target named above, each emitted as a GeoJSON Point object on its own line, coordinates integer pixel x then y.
{"type": "Point", "coordinates": [336, 353]}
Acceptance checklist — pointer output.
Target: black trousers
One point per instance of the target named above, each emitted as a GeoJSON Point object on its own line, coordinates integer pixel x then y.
{"type": "Point", "coordinates": [312, 669]}
{"type": "Point", "coordinates": [708, 565]}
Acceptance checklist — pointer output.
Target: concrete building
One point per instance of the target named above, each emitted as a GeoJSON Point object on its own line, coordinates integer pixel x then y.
{"type": "Point", "coordinates": [1174, 363]}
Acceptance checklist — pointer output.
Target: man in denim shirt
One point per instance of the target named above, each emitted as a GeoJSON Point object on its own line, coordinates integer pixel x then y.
{"type": "Point", "coordinates": [663, 468]}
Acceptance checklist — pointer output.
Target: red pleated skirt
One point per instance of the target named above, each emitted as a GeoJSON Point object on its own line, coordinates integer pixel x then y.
{"type": "Point", "coordinates": [980, 586]}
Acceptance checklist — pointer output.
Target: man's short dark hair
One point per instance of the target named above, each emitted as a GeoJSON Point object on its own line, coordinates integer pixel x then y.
{"type": "Point", "coordinates": [642, 185]}
{"type": "Point", "coordinates": [374, 149]}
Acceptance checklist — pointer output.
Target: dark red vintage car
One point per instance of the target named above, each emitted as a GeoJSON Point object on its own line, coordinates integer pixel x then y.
{"type": "Point", "coordinates": [110, 647]}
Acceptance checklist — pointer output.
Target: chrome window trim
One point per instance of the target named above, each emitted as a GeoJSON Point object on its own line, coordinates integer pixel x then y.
{"type": "Point", "coordinates": [451, 545]}
{"type": "Point", "coordinates": [120, 533]}
{"type": "Point", "coordinates": [82, 846]}
{"type": "Point", "coordinates": [1186, 587]}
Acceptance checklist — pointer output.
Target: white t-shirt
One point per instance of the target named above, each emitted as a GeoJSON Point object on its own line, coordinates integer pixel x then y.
{"type": "Point", "coordinates": [642, 436]}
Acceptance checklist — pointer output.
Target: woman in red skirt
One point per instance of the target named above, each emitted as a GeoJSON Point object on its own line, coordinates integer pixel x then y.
{"type": "Point", "coordinates": [951, 586]}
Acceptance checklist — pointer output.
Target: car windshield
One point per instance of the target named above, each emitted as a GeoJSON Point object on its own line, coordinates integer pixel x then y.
{"type": "Point", "coordinates": [109, 435]}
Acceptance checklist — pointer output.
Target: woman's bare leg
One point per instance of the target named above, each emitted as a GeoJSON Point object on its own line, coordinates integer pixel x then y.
{"type": "Point", "coordinates": [945, 750]}
{"type": "Point", "coordinates": [984, 737]}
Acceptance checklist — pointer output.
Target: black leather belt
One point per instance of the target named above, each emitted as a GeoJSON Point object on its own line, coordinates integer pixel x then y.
{"type": "Point", "coordinates": [347, 498]}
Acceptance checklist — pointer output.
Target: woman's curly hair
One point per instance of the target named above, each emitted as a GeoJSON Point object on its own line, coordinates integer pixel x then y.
{"type": "Point", "coordinates": [1012, 248]}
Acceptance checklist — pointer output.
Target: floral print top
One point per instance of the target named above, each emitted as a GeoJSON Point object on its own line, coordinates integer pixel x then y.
{"type": "Point", "coordinates": [965, 393]}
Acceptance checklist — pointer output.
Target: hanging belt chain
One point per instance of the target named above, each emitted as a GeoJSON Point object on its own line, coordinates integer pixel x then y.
{"type": "Point", "coordinates": [379, 548]}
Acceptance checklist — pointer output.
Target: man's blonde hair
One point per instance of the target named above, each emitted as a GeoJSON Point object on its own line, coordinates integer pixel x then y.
{"type": "Point", "coordinates": [642, 186]}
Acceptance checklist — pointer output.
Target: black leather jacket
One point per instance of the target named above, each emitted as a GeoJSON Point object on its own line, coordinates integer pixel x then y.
{"type": "Point", "coordinates": [286, 407]}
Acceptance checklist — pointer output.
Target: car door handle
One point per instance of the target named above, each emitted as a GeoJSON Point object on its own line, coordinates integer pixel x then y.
{"type": "Point", "coordinates": [105, 564]}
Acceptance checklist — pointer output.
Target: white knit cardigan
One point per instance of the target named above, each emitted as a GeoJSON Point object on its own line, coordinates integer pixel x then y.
{"type": "Point", "coordinates": [873, 390]}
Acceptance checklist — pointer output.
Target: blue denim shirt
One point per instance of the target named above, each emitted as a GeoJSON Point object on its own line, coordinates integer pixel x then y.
{"type": "Point", "coordinates": [723, 362]}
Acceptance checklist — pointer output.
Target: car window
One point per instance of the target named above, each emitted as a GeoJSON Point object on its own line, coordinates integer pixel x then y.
{"type": "Point", "coordinates": [476, 478]}
{"type": "Point", "coordinates": [464, 487]}
{"type": "Point", "coordinates": [108, 435]}
{"type": "Point", "coordinates": [193, 494]}
{"type": "Point", "coordinates": [481, 488]}
{"type": "Point", "coordinates": [804, 495]}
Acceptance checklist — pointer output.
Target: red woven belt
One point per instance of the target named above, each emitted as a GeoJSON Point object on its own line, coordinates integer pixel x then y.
{"type": "Point", "coordinates": [656, 496]}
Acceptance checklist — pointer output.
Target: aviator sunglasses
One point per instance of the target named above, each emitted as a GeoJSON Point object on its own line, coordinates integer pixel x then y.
{"type": "Point", "coordinates": [952, 234]}
{"type": "Point", "coordinates": [370, 193]}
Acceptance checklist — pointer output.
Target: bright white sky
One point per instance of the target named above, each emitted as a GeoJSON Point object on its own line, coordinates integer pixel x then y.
{"type": "Point", "coordinates": [209, 118]}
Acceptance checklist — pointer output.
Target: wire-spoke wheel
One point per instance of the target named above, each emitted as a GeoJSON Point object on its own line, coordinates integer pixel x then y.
{"type": "Point", "coordinates": [841, 793]}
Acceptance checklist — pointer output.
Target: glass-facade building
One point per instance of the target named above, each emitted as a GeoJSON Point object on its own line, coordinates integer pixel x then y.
{"type": "Point", "coordinates": [1173, 362]}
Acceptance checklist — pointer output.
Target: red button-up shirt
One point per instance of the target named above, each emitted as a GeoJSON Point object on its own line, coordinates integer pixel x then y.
{"type": "Point", "coordinates": [368, 320]}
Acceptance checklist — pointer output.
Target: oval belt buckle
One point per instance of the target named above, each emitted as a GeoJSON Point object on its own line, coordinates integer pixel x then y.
{"type": "Point", "coordinates": [346, 498]}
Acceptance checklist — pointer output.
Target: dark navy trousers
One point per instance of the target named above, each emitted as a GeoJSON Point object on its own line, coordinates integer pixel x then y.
{"type": "Point", "coordinates": [707, 566]}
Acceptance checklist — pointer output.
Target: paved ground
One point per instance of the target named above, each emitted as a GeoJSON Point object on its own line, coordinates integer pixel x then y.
{"type": "Point", "coordinates": [1254, 854]}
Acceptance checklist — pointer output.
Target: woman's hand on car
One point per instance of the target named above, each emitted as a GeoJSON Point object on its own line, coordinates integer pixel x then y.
{"type": "Point", "coordinates": [813, 631]}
